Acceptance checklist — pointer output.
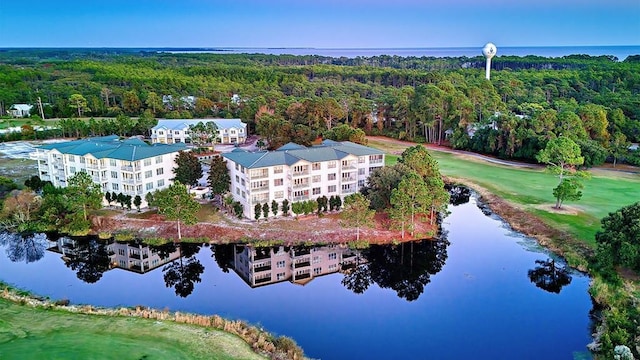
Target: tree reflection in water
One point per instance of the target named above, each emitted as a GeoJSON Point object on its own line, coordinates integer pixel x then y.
{"type": "Point", "coordinates": [223, 255]}
{"type": "Point", "coordinates": [549, 277]}
{"type": "Point", "coordinates": [458, 195]}
{"type": "Point", "coordinates": [405, 268]}
{"type": "Point", "coordinates": [90, 259]}
{"type": "Point", "coordinates": [182, 274]}
{"type": "Point", "coordinates": [24, 248]}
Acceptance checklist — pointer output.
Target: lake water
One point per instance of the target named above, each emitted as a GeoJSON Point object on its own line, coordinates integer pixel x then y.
{"type": "Point", "coordinates": [621, 52]}
{"type": "Point", "coordinates": [477, 293]}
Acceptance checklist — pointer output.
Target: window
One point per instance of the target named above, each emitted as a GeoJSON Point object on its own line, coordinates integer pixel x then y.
{"type": "Point", "coordinates": [149, 186]}
{"type": "Point", "coordinates": [115, 187]}
{"type": "Point", "coordinates": [279, 194]}
{"type": "Point", "coordinates": [315, 166]}
{"type": "Point", "coordinates": [316, 178]}
{"type": "Point", "coordinates": [331, 177]}
{"type": "Point", "coordinates": [277, 170]}
{"type": "Point", "coordinates": [242, 182]}
{"type": "Point", "coordinates": [158, 159]}
{"type": "Point", "coordinates": [317, 271]}
{"type": "Point", "coordinates": [237, 191]}
{"type": "Point", "coordinates": [280, 276]}
{"type": "Point", "coordinates": [237, 166]}
{"type": "Point", "coordinates": [360, 171]}
{"type": "Point", "coordinates": [316, 191]}
{"type": "Point", "coordinates": [72, 158]}
{"type": "Point", "coordinates": [72, 169]}
{"type": "Point", "coordinates": [361, 159]}
{"type": "Point", "coordinates": [148, 174]}
{"type": "Point", "coordinates": [333, 267]}
{"type": "Point", "coordinates": [259, 185]}
{"type": "Point", "coordinates": [316, 259]}
{"type": "Point", "coordinates": [114, 174]}
{"type": "Point", "coordinates": [237, 178]}
{"type": "Point", "coordinates": [112, 162]}
{"type": "Point", "coordinates": [147, 162]}
{"type": "Point", "coordinates": [332, 164]}
{"type": "Point", "coordinates": [244, 195]}
{"type": "Point", "coordinates": [280, 264]}
{"type": "Point", "coordinates": [82, 160]}
{"type": "Point", "coordinates": [278, 182]}
{"type": "Point", "coordinates": [161, 183]}
{"type": "Point", "coordinates": [360, 183]}
{"type": "Point", "coordinates": [333, 256]}
{"type": "Point", "coordinates": [331, 189]}
{"type": "Point", "coordinates": [159, 171]}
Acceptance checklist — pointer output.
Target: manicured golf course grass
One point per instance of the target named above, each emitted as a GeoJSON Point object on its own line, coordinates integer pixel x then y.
{"type": "Point", "coordinates": [532, 189]}
{"type": "Point", "coordinates": [34, 333]}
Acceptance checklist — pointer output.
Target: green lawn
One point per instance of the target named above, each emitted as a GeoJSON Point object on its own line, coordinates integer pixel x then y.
{"type": "Point", "coordinates": [532, 188]}
{"type": "Point", "coordinates": [32, 333]}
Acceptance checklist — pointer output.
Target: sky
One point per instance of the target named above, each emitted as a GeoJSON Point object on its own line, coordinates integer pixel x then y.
{"type": "Point", "coordinates": [318, 23]}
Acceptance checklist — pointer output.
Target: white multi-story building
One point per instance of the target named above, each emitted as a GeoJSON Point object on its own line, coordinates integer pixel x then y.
{"type": "Point", "coordinates": [131, 166]}
{"type": "Point", "coordinates": [171, 131]}
{"type": "Point", "coordinates": [299, 173]}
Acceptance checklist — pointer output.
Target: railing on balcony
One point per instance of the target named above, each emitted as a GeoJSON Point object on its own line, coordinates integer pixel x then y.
{"type": "Point", "coordinates": [261, 188]}
{"type": "Point", "coordinates": [262, 280]}
{"type": "Point", "coordinates": [300, 198]}
{"type": "Point", "coordinates": [349, 179]}
{"type": "Point", "coordinates": [130, 168]}
{"type": "Point", "coordinates": [301, 185]}
{"type": "Point", "coordinates": [95, 166]}
{"type": "Point", "coordinates": [259, 175]}
{"type": "Point", "coordinates": [131, 181]}
{"type": "Point", "coordinates": [303, 276]}
{"type": "Point", "coordinates": [301, 173]}
{"type": "Point", "coordinates": [301, 264]}
{"type": "Point", "coordinates": [138, 256]}
{"type": "Point", "coordinates": [380, 161]}
{"type": "Point", "coordinates": [262, 268]}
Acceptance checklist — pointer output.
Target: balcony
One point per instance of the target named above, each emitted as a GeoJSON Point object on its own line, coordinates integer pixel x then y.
{"type": "Point", "coordinates": [38, 156]}
{"type": "Point", "coordinates": [259, 175]}
{"type": "Point", "coordinates": [263, 280]}
{"type": "Point", "coordinates": [377, 161]}
{"type": "Point", "coordinates": [300, 198]}
{"type": "Point", "coordinates": [301, 264]}
{"type": "Point", "coordinates": [301, 186]}
{"type": "Point", "coordinates": [95, 166]}
{"type": "Point", "coordinates": [349, 179]}
{"type": "Point", "coordinates": [351, 165]}
{"type": "Point", "coordinates": [303, 276]}
{"type": "Point", "coordinates": [131, 181]}
{"type": "Point", "coordinates": [260, 188]}
{"type": "Point", "coordinates": [138, 256]}
{"type": "Point", "coordinates": [130, 168]}
{"type": "Point", "coordinates": [261, 268]}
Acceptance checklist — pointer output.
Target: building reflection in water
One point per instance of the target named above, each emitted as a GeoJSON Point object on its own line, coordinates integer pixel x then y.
{"type": "Point", "coordinates": [259, 266]}
{"type": "Point", "coordinates": [132, 256]}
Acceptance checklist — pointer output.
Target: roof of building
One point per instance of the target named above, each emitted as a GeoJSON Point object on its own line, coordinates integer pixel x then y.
{"type": "Point", "coordinates": [22, 107]}
{"type": "Point", "coordinates": [291, 153]}
{"type": "Point", "coordinates": [111, 147]}
{"type": "Point", "coordinates": [181, 124]}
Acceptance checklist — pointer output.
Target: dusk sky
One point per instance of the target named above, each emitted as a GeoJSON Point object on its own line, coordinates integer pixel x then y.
{"type": "Point", "coordinates": [320, 23]}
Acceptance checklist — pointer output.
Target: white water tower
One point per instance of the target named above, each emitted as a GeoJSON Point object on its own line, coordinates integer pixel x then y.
{"type": "Point", "coordinates": [489, 51]}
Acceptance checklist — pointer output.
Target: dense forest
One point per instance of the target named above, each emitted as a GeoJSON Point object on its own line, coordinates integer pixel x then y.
{"type": "Point", "coordinates": [595, 101]}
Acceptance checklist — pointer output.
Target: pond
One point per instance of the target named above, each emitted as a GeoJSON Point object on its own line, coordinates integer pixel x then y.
{"type": "Point", "coordinates": [481, 291]}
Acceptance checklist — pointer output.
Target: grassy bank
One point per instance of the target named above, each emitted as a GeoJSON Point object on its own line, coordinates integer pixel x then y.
{"type": "Point", "coordinates": [32, 328]}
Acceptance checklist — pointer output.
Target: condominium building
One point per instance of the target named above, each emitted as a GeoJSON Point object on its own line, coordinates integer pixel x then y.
{"type": "Point", "coordinates": [299, 173]}
{"type": "Point", "coordinates": [171, 131]}
{"type": "Point", "coordinates": [131, 166]}
{"type": "Point", "coordinates": [297, 264]}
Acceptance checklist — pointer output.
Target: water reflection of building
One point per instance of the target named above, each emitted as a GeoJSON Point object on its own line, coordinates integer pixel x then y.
{"type": "Point", "coordinates": [135, 257]}
{"type": "Point", "coordinates": [297, 264]}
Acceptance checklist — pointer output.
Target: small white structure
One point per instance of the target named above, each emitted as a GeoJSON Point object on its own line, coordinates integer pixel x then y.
{"type": "Point", "coordinates": [20, 110]}
{"type": "Point", "coordinates": [489, 51]}
{"type": "Point", "coordinates": [171, 131]}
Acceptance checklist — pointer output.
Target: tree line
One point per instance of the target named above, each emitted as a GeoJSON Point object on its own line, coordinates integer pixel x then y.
{"type": "Point", "coordinates": [529, 101]}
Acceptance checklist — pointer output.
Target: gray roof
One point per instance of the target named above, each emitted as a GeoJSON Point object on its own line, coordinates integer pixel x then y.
{"type": "Point", "coordinates": [110, 147]}
{"type": "Point", "coordinates": [291, 153]}
{"type": "Point", "coordinates": [181, 124]}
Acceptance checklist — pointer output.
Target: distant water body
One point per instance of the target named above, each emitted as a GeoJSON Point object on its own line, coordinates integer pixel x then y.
{"type": "Point", "coordinates": [621, 52]}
